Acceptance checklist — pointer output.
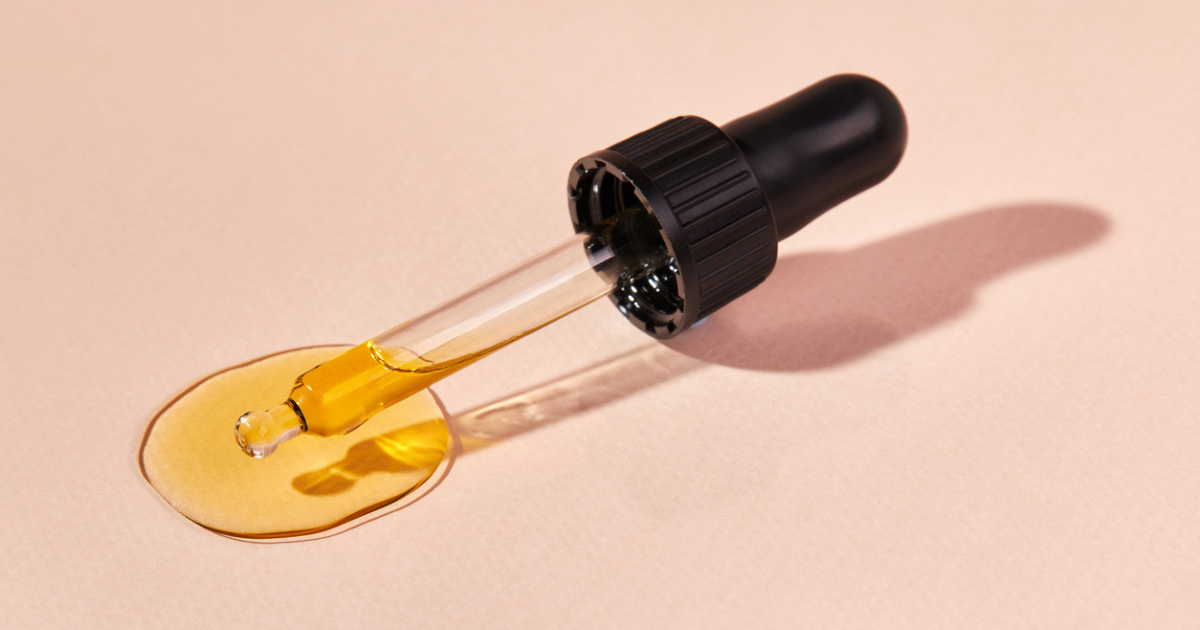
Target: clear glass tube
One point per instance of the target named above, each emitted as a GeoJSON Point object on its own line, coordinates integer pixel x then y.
{"type": "Point", "coordinates": [536, 292]}
{"type": "Point", "coordinates": [342, 393]}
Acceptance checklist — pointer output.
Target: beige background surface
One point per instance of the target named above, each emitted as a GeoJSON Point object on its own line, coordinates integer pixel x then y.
{"type": "Point", "coordinates": [968, 398]}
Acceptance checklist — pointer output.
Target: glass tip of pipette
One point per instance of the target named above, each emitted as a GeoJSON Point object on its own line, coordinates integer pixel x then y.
{"type": "Point", "coordinates": [259, 433]}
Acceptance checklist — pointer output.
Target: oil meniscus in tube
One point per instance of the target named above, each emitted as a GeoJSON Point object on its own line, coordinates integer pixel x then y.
{"type": "Point", "coordinates": [339, 395]}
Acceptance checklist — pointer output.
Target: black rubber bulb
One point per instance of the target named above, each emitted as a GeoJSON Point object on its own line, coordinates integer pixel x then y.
{"type": "Point", "coordinates": [719, 199]}
{"type": "Point", "coordinates": [821, 146]}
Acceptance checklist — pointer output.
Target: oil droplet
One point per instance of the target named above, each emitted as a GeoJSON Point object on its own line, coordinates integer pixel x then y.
{"type": "Point", "coordinates": [189, 455]}
{"type": "Point", "coordinates": [259, 433]}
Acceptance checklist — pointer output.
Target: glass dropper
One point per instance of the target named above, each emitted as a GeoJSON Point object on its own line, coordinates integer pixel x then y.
{"type": "Point", "coordinates": [674, 223]}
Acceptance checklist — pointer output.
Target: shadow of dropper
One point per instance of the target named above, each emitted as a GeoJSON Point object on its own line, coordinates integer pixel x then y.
{"type": "Point", "coordinates": [408, 449]}
{"type": "Point", "coordinates": [822, 309]}
{"type": "Point", "coordinates": [587, 389]}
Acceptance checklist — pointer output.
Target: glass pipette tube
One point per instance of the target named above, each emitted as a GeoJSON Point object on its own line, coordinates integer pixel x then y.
{"type": "Point", "coordinates": [339, 395]}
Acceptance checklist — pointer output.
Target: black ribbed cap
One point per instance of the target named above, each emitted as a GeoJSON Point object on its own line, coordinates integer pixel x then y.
{"type": "Point", "coordinates": [710, 210]}
{"type": "Point", "coordinates": [720, 198]}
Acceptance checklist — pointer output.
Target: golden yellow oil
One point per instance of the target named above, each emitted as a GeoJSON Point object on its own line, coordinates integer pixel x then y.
{"type": "Point", "coordinates": [314, 483]}
{"type": "Point", "coordinates": [349, 389]}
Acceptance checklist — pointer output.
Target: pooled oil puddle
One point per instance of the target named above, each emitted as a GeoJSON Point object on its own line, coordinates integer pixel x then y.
{"type": "Point", "coordinates": [189, 455]}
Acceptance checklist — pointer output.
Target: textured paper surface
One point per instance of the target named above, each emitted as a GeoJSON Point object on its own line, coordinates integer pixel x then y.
{"type": "Point", "coordinates": [968, 398]}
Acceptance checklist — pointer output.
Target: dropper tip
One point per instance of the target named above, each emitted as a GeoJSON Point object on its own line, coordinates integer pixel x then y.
{"type": "Point", "coordinates": [259, 433]}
